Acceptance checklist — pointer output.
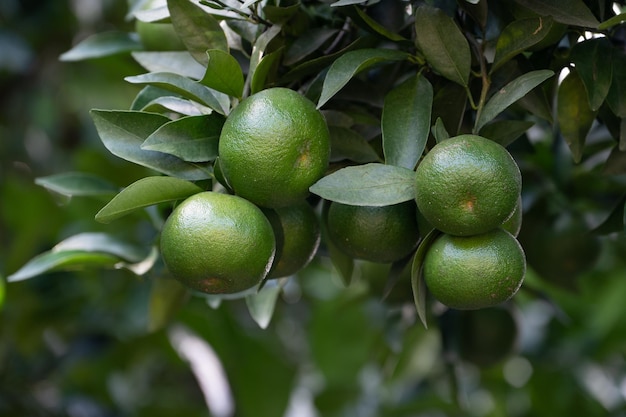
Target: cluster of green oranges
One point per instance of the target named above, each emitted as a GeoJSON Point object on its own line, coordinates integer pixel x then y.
{"type": "Point", "coordinates": [468, 187]}
{"type": "Point", "coordinates": [274, 145]}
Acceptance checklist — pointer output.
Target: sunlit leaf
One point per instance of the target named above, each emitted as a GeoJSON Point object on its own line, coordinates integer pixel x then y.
{"type": "Point", "coordinates": [574, 114]}
{"type": "Point", "coordinates": [103, 243]}
{"type": "Point", "coordinates": [146, 192]}
{"type": "Point", "coordinates": [223, 73]}
{"type": "Point", "coordinates": [123, 132]}
{"type": "Point", "coordinates": [177, 105]}
{"type": "Point", "coordinates": [518, 36]}
{"type": "Point", "coordinates": [178, 62]}
{"type": "Point", "coordinates": [350, 64]}
{"type": "Point", "coordinates": [417, 280]}
{"type": "Point", "coordinates": [371, 184]}
{"type": "Point", "coordinates": [443, 45]}
{"type": "Point", "coordinates": [262, 303]}
{"type": "Point", "coordinates": [509, 94]}
{"type": "Point", "coordinates": [103, 44]}
{"type": "Point", "coordinates": [406, 121]}
{"type": "Point", "coordinates": [570, 12]}
{"type": "Point", "coordinates": [184, 86]}
{"type": "Point", "coordinates": [593, 60]}
{"type": "Point", "coordinates": [198, 30]}
{"type": "Point", "coordinates": [192, 139]}
{"type": "Point", "coordinates": [259, 50]}
{"type": "Point", "coordinates": [77, 184]}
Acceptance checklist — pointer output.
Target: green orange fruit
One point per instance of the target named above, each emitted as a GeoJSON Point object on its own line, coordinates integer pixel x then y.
{"type": "Point", "coordinates": [218, 243]}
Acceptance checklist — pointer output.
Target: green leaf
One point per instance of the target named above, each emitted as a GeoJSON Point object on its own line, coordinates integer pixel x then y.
{"type": "Point", "coordinates": [509, 94]}
{"type": "Point", "coordinates": [101, 45]}
{"type": "Point", "coordinates": [616, 162]}
{"type": "Point", "coordinates": [449, 105]}
{"type": "Point", "coordinates": [62, 260]}
{"type": "Point", "coordinates": [616, 97]}
{"type": "Point", "coordinates": [167, 295]}
{"type": "Point", "coordinates": [259, 50]}
{"type": "Point", "coordinates": [614, 21]}
{"type": "Point", "coordinates": [198, 30]}
{"type": "Point", "coordinates": [77, 184]}
{"type": "Point", "coordinates": [178, 105]}
{"type": "Point", "coordinates": [146, 192]}
{"type": "Point", "coordinates": [261, 304]}
{"type": "Point", "coordinates": [281, 14]}
{"type": "Point", "coordinates": [223, 73]}
{"type": "Point", "coordinates": [343, 263]}
{"type": "Point", "coordinates": [614, 222]}
{"type": "Point", "coordinates": [570, 12]}
{"type": "Point", "coordinates": [185, 87]}
{"type": "Point", "coordinates": [518, 36]}
{"type": "Point", "coordinates": [371, 184]}
{"type": "Point", "coordinates": [348, 144]}
{"type": "Point", "coordinates": [350, 64]}
{"type": "Point", "coordinates": [593, 61]}
{"type": "Point", "coordinates": [505, 132]}
{"type": "Point", "coordinates": [376, 27]}
{"type": "Point", "coordinates": [339, 3]}
{"type": "Point", "coordinates": [307, 43]}
{"type": "Point", "coordinates": [103, 243]}
{"type": "Point", "coordinates": [443, 45]}
{"type": "Point", "coordinates": [417, 279]}
{"type": "Point", "coordinates": [177, 62]}
{"type": "Point", "coordinates": [262, 71]}
{"type": "Point", "coordinates": [123, 132]}
{"type": "Point", "coordinates": [406, 121]}
{"type": "Point", "coordinates": [439, 131]}
{"type": "Point", "coordinates": [192, 138]}
{"type": "Point", "coordinates": [573, 113]}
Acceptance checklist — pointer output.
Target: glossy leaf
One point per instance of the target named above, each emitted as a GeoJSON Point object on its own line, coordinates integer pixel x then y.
{"type": "Point", "coordinates": [123, 132]}
{"type": "Point", "coordinates": [350, 64]}
{"type": "Point", "coordinates": [417, 279]}
{"type": "Point", "coordinates": [184, 86]}
{"type": "Point", "coordinates": [146, 192]}
{"type": "Point", "coordinates": [261, 304]}
{"type": "Point", "coordinates": [77, 184]}
{"type": "Point", "coordinates": [178, 62]}
{"type": "Point", "coordinates": [439, 131]}
{"type": "Point", "coordinates": [103, 243]}
{"type": "Point", "coordinates": [198, 30]}
{"type": "Point", "coordinates": [223, 73]}
{"type": "Point", "coordinates": [307, 43]}
{"type": "Point", "coordinates": [445, 48]}
{"type": "Point", "coordinates": [574, 114]}
{"type": "Point", "coordinates": [103, 44]}
{"type": "Point", "coordinates": [406, 121]}
{"type": "Point", "coordinates": [593, 60]}
{"type": "Point", "coordinates": [62, 260]}
{"type": "Point", "coordinates": [505, 132]}
{"type": "Point", "coordinates": [259, 50]}
{"type": "Point", "coordinates": [509, 94]}
{"type": "Point", "coordinates": [177, 105]}
{"type": "Point", "coordinates": [192, 139]}
{"type": "Point", "coordinates": [371, 184]}
{"type": "Point", "coordinates": [262, 71]}
{"type": "Point", "coordinates": [346, 144]}
{"type": "Point", "coordinates": [570, 12]}
{"type": "Point", "coordinates": [518, 36]}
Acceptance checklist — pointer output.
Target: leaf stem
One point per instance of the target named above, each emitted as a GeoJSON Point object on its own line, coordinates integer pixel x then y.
{"type": "Point", "coordinates": [486, 80]}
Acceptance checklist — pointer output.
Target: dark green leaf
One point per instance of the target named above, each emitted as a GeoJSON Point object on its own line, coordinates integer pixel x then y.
{"type": "Point", "coordinates": [62, 260]}
{"type": "Point", "coordinates": [123, 132]}
{"type": "Point", "coordinates": [406, 121]}
{"type": "Point", "coordinates": [593, 61]}
{"type": "Point", "coordinates": [616, 162]}
{"type": "Point", "coordinates": [77, 184]}
{"type": "Point", "coordinates": [185, 87]}
{"type": "Point", "coordinates": [166, 297]}
{"type": "Point", "coordinates": [518, 36]}
{"type": "Point", "coordinates": [449, 105]}
{"type": "Point", "coordinates": [307, 43]}
{"type": "Point", "coordinates": [417, 279]}
{"type": "Point", "coordinates": [223, 73]}
{"type": "Point", "coordinates": [573, 113]}
{"type": "Point", "coordinates": [348, 144]}
{"type": "Point", "coordinates": [198, 30]}
{"type": "Point", "coordinates": [445, 48]}
{"type": "Point", "coordinates": [570, 12]}
{"type": "Point", "coordinates": [177, 62]}
{"type": "Point", "coordinates": [505, 132]}
{"type": "Point", "coordinates": [615, 221]}
{"type": "Point", "coordinates": [350, 64]}
{"type": "Point", "coordinates": [146, 192]}
{"type": "Point", "coordinates": [616, 97]}
{"type": "Point", "coordinates": [262, 71]}
{"type": "Point", "coordinates": [192, 138]}
{"type": "Point", "coordinates": [509, 94]}
{"type": "Point", "coordinates": [280, 14]}
{"type": "Point", "coordinates": [260, 48]}
{"type": "Point", "coordinates": [367, 185]}
{"type": "Point", "coordinates": [101, 45]}
{"type": "Point", "coordinates": [376, 27]}
{"type": "Point", "coordinates": [439, 131]}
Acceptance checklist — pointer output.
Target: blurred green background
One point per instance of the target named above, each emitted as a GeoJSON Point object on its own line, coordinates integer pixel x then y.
{"type": "Point", "coordinates": [76, 343]}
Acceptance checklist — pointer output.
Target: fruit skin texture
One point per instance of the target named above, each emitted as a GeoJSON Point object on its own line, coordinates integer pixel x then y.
{"type": "Point", "coordinates": [379, 234]}
{"type": "Point", "coordinates": [472, 272]}
{"type": "Point", "coordinates": [297, 233]}
{"type": "Point", "coordinates": [467, 185]}
{"type": "Point", "coordinates": [274, 145]}
{"type": "Point", "coordinates": [218, 243]}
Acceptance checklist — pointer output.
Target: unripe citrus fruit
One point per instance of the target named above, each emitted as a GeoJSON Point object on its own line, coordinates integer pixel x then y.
{"type": "Point", "coordinates": [467, 185]}
{"type": "Point", "coordinates": [378, 234]}
{"type": "Point", "coordinates": [217, 243]}
{"type": "Point", "coordinates": [297, 233]}
{"type": "Point", "coordinates": [274, 145]}
{"type": "Point", "coordinates": [471, 272]}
